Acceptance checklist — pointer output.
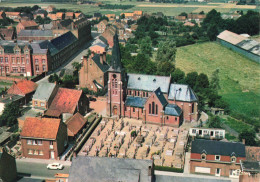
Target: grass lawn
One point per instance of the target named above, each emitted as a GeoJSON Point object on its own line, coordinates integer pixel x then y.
{"type": "Point", "coordinates": [238, 126]}
{"type": "Point", "coordinates": [239, 77]}
{"type": "Point", "coordinates": [5, 83]}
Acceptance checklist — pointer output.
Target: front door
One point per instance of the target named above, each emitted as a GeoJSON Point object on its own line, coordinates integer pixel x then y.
{"type": "Point", "coordinates": [52, 155]}
{"type": "Point", "coordinates": [218, 171]}
{"type": "Point", "coordinates": [115, 111]}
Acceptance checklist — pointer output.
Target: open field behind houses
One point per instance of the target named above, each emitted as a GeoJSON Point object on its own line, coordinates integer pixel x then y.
{"type": "Point", "coordinates": [239, 77]}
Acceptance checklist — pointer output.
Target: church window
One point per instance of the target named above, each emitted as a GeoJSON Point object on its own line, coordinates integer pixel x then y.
{"type": "Point", "coordinates": [149, 108]}
{"type": "Point", "coordinates": [152, 107]}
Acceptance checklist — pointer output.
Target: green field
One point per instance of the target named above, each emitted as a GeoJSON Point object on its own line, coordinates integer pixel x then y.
{"type": "Point", "coordinates": [238, 126]}
{"type": "Point", "coordinates": [239, 77]}
{"type": "Point", "coordinates": [167, 9]}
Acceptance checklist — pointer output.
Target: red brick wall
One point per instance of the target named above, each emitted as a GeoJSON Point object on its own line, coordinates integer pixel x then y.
{"type": "Point", "coordinates": [172, 120]}
{"type": "Point", "coordinates": [129, 112]}
{"type": "Point", "coordinates": [212, 157]}
{"type": "Point", "coordinates": [40, 63]}
{"type": "Point", "coordinates": [246, 177]}
{"type": "Point", "coordinates": [153, 117]}
{"type": "Point", "coordinates": [97, 49]}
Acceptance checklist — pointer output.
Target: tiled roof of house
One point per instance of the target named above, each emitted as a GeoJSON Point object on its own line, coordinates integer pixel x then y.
{"type": "Point", "coordinates": [44, 91]}
{"type": "Point", "coordinates": [172, 110]}
{"type": "Point", "coordinates": [103, 67]}
{"type": "Point", "coordinates": [77, 15]}
{"type": "Point", "coordinates": [135, 101]}
{"type": "Point", "coordinates": [148, 82]}
{"type": "Point", "coordinates": [59, 14]}
{"type": "Point", "coordinates": [12, 13]}
{"type": "Point", "coordinates": [182, 92]}
{"type": "Point", "coordinates": [69, 14]}
{"type": "Point", "coordinates": [29, 23]}
{"type": "Point", "coordinates": [65, 101]}
{"type": "Point", "coordinates": [52, 16]}
{"type": "Point", "coordinates": [40, 128]}
{"type": "Point", "coordinates": [6, 33]}
{"type": "Point", "coordinates": [35, 33]}
{"type": "Point", "coordinates": [231, 37]}
{"type": "Point", "coordinates": [213, 147]}
{"type": "Point", "coordinates": [25, 86]}
{"type": "Point", "coordinates": [75, 123]}
{"type": "Point", "coordinates": [104, 169]}
{"type": "Point", "coordinates": [252, 153]}
{"type": "Point", "coordinates": [160, 96]}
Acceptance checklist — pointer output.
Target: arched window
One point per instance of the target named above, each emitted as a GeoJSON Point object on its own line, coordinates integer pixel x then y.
{"type": "Point", "coordinates": [152, 107]}
{"type": "Point", "coordinates": [115, 83]}
{"type": "Point", "coordinates": [156, 109]}
{"type": "Point", "coordinates": [149, 108]}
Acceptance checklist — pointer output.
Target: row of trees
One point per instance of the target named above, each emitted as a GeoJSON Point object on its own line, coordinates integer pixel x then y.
{"type": "Point", "coordinates": [116, 6]}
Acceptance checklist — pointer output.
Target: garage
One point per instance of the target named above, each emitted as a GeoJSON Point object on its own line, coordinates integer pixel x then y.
{"type": "Point", "coordinates": [202, 170]}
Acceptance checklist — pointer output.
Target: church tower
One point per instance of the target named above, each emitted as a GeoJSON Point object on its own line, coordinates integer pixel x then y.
{"type": "Point", "coordinates": [116, 83]}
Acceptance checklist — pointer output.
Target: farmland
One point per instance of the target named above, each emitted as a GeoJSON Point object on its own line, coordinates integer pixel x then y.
{"type": "Point", "coordinates": [239, 77]}
{"type": "Point", "coordinates": [167, 9]}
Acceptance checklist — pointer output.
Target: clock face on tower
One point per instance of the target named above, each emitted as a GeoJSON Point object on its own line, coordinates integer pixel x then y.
{"type": "Point", "coordinates": [114, 75]}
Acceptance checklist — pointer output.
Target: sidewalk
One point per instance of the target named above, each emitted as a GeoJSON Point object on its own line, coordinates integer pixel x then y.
{"type": "Point", "coordinates": [44, 161]}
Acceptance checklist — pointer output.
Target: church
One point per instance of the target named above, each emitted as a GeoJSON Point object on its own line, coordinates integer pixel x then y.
{"type": "Point", "coordinates": [150, 98]}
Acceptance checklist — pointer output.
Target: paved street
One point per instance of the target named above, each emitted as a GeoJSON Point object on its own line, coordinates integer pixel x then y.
{"type": "Point", "coordinates": [75, 58]}
{"type": "Point", "coordinates": [39, 168]}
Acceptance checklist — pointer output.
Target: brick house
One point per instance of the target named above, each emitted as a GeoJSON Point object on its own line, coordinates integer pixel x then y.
{"type": "Point", "coordinates": [8, 171]}
{"type": "Point", "coordinates": [16, 16]}
{"type": "Point", "coordinates": [99, 48]}
{"type": "Point", "coordinates": [109, 35]}
{"type": "Point", "coordinates": [26, 25]}
{"type": "Point", "coordinates": [75, 125]}
{"type": "Point", "coordinates": [43, 138]}
{"type": "Point", "coordinates": [67, 102]}
{"type": "Point", "coordinates": [69, 15]}
{"type": "Point", "coordinates": [93, 73]}
{"type": "Point", "coordinates": [250, 171]}
{"type": "Point", "coordinates": [24, 88]}
{"type": "Point", "coordinates": [196, 17]}
{"type": "Point", "coordinates": [111, 16]}
{"type": "Point", "coordinates": [60, 16]}
{"type": "Point", "coordinates": [216, 157]}
{"type": "Point", "coordinates": [180, 18]}
{"type": "Point", "coordinates": [44, 95]}
{"type": "Point", "coordinates": [79, 15]}
{"type": "Point", "coordinates": [101, 26]}
{"type": "Point", "coordinates": [53, 17]}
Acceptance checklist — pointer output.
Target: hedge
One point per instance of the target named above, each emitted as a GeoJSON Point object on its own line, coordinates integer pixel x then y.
{"type": "Point", "coordinates": [170, 169]}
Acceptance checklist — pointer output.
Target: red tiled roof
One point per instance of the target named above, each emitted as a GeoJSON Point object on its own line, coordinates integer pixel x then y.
{"type": "Point", "coordinates": [6, 32]}
{"type": "Point", "coordinates": [40, 128]}
{"type": "Point", "coordinates": [65, 101]}
{"type": "Point", "coordinates": [52, 16]}
{"type": "Point", "coordinates": [75, 123]}
{"type": "Point", "coordinates": [29, 23]}
{"type": "Point", "coordinates": [12, 13]}
{"type": "Point", "coordinates": [24, 86]}
{"type": "Point", "coordinates": [77, 14]}
{"type": "Point", "coordinates": [69, 13]}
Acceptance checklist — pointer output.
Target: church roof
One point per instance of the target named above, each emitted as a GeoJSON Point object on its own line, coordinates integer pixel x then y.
{"type": "Point", "coordinates": [116, 56]}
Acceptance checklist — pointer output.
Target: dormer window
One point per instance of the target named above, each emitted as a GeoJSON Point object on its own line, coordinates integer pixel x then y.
{"type": "Point", "coordinates": [203, 156]}
{"type": "Point", "coordinates": [217, 157]}
{"type": "Point", "coordinates": [1, 51]}
{"type": "Point", "coordinates": [17, 51]}
{"type": "Point", "coordinates": [233, 159]}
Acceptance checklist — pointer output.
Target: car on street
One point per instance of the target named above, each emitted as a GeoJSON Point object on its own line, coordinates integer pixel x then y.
{"type": "Point", "coordinates": [55, 166]}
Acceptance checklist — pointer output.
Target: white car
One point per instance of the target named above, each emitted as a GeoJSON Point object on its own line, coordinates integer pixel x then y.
{"type": "Point", "coordinates": [55, 166]}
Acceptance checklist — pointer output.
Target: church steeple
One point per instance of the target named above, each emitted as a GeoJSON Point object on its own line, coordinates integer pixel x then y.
{"type": "Point", "coordinates": [116, 56]}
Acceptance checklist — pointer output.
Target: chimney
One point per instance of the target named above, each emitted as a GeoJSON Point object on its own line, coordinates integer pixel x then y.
{"type": "Point", "coordinates": [101, 59]}
{"type": "Point", "coordinates": [244, 141]}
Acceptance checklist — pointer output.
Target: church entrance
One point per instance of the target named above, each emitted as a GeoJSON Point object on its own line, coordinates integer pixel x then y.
{"type": "Point", "coordinates": [114, 111]}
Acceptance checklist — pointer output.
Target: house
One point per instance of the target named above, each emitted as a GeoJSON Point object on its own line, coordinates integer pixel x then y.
{"type": "Point", "coordinates": [79, 15]}
{"type": "Point", "coordinates": [207, 133]}
{"type": "Point", "coordinates": [216, 157]}
{"type": "Point", "coordinates": [110, 169]}
{"type": "Point", "coordinates": [43, 138]}
{"type": "Point", "coordinates": [250, 171]}
{"type": "Point", "coordinates": [180, 18]}
{"type": "Point", "coordinates": [44, 95]}
{"type": "Point", "coordinates": [40, 12]}
{"type": "Point", "coordinates": [128, 15]}
{"type": "Point", "coordinates": [50, 8]}
{"type": "Point", "coordinates": [35, 35]}
{"type": "Point", "coordinates": [8, 171]}
{"type": "Point", "coordinates": [52, 16]}
{"type": "Point", "coordinates": [189, 24]}
{"type": "Point", "coordinates": [7, 34]}
{"type": "Point", "coordinates": [109, 34]}
{"type": "Point", "coordinates": [96, 16]}
{"type": "Point", "coordinates": [26, 25]}
{"type": "Point", "coordinates": [240, 44]}
{"type": "Point", "coordinates": [93, 73]}
{"type": "Point", "coordinates": [16, 16]}
{"type": "Point", "coordinates": [60, 16]}
{"type": "Point", "coordinates": [138, 13]}
{"type": "Point", "coordinates": [101, 26]}
{"type": "Point", "coordinates": [24, 88]}
{"type": "Point", "coordinates": [75, 125]}
{"type": "Point", "coordinates": [196, 17]}
{"type": "Point", "coordinates": [111, 16]}
{"type": "Point", "coordinates": [69, 15]}
{"type": "Point", "coordinates": [99, 48]}
{"type": "Point", "coordinates": [2, 15]}
{"type": "Point", "coordinates": [66, 103]}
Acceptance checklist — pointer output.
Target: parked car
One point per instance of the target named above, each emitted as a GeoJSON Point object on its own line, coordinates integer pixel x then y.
{"type": "Point", "coordinates": [55, 166]}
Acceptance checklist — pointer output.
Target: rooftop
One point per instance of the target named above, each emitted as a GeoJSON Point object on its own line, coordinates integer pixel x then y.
{"type": "Point", "coordinates": [44, 91]}
{"type": "Point", "coordinates": [213, 147]}
{"type": "Point", "coordinates": [75, 123]}
{"type": "Point", "coordinates": [250, 166]}
{"type": "Point", "coordinates": [46, 128]}
{"type": "Point", "coordinates": [135, 101]}
{"type": "Point", "coordinates": [180, 92]}
{"type": "Point", "coordinates": [35, 33]}
{"type": "Point", "coordinates": [24, 86]}
{"type": "Point", "coordinates": [231, 37]}
{"type": "Point", "coordinates": [148, 82]}
{"type": "Point", "coordinates": [173, 110]}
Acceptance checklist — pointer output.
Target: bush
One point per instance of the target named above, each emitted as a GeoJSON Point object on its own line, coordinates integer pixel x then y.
{"type": "Point", "coordinates": [170, 169]}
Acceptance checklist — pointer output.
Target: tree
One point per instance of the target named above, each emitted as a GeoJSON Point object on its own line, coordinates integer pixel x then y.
{"type": "Point", "coordinates": [76, 65]}
{"type": "Point", "coordinates": [122, 16]}
{"type": "Point", "coordinates": [10, 114]}
{"type": "Point", "coordinates": [54, 78]}
{"type": "Point", "coordinates": [214, 83]}
{"type": "Point", "coordinates": [212, 32]}
{"type": "Point", "coordinates": [214, 122]}
{"type": "Point", "coordinates": [68, 81]}
{"type": "Point", "coordinates": [146, 46]}
{"type": "Point", "coordinates": [249, 136]}
{"type": "Point", "coordinates": [178, 76]}
{"type": "Point", "coordinates": [183, 14]}
{"type": "Point", "coordinates": [166, 51]}
{"type": "Point", "coordinates": [165, 68]}
{"type": "Point", "coordinates": [202, 82]}
{"type": "Point", "coordinates": [191, 79]}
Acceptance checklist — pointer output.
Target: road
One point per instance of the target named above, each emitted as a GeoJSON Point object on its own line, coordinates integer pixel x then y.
{"type": "Point", "coordinates": [83, 50]}
{"type": "Point", "coordinates": [38, 169]}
